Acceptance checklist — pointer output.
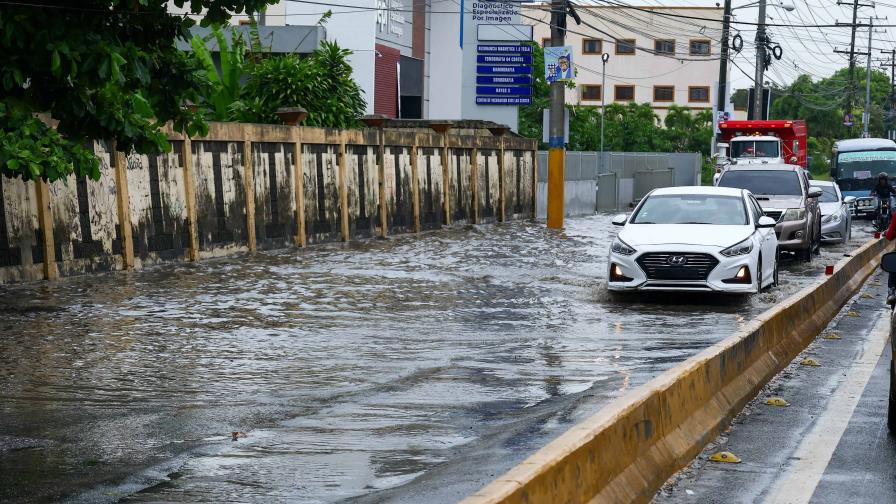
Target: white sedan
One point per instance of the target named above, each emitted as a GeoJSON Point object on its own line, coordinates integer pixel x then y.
{"type": "Point", "coordinates": [694, 239]}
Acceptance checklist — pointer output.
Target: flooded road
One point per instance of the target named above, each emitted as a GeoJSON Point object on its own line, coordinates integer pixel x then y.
{"type": "Point", "coordinates": [382, 371]}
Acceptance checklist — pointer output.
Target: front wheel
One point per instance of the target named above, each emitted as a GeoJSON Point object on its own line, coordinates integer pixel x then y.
{"type": "Point", "coordinates": [759, 276]}
{"type": "Point", "coordinates": [775, 271]}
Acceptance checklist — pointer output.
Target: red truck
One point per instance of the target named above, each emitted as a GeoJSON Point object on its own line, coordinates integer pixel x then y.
{"type": "Point", "coordinates": [779, 141]}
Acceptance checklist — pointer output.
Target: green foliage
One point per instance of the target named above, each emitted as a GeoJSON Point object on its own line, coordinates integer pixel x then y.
{"type": "Point", "coordinates": [322, 84]}
{"type": "Point", "coordinates": [531, 116]}
{"type": "Point", "coordinates": [223, 90]}
{"type": "Point", "coordinates": [106, 69]}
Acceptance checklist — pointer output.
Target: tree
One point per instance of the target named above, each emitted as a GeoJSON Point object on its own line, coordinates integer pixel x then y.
{"type": "Point", "coordinates": [97, 69]}
{"type": "Point", "coordinates": [221, 97]}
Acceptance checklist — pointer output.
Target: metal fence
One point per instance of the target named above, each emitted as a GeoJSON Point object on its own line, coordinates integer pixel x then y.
{"type": "Point", "coordinates": [614, 180]}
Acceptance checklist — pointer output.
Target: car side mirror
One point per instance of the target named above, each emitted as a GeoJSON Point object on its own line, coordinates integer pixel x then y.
{"type": "Point", "coordinates": [815, 192]}
{"type": "Point", "coordinates": [888, 262]}
{"type": "Point", "coordinates": [850, 200]}
{"type": "Point", "coordinates": [765, 222]}
{"type": "Point", "coordinates": [620, 220]}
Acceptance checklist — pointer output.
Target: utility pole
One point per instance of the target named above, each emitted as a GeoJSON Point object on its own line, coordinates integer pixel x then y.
{"type": "Point", "coordinates": [760, 62]}
{"type": "Point", "coordinates": [556, 142]}
{"type": "Point", "coordinates": [605, 57]}
{"type": "Point", "coordinates": [722, 94]}
{"type": "Point", "coordinates": [851, 91]}
{"type": "Point", "coordinates": [866, 115]}
{"type": "Point", "coordinates": [890, 101]}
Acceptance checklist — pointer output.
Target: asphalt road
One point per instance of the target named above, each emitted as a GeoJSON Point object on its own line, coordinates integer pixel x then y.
{"type": "Point", "coordinates": [831, 445]}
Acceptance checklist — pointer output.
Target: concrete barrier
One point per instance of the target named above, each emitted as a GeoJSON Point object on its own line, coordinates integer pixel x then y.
{"type": "Point", "coordinates": [626, 451]}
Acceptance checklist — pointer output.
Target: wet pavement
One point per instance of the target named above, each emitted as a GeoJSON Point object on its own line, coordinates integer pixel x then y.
{"type": "Point", "coordinates": [831, 444]}
{"type": "Point", "coordinates": [379, 371]}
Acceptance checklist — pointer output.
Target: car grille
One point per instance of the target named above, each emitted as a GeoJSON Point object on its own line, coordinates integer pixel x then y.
{"type": "Point", "coordinates": [774, 215]}
{"type": "Point", "coordinates": [677, 266]}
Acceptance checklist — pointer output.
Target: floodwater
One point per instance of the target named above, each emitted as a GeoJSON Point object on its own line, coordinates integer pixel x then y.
{"type": "Point", "coordinates": [395, 370]}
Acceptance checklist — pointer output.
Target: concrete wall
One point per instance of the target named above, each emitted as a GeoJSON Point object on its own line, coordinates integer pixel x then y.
{"type": "Point", "coordinates": [241, 189]}
{"type": "Point", "coordinates": [581, 172]}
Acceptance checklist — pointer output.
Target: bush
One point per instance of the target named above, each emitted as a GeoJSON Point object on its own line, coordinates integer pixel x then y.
{"type": "Point", "coordinates": [320, 83]}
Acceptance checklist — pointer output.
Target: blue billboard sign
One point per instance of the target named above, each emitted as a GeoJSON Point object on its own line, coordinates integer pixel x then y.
{"type": "Point", "coordinates": [504, 90]}
{"type": "Point", "coordinates": [504, 69]}
{"type": "Point", "coordinates": [500, 59]}
{"type": "Point", "coordinates": [503, 100]}
{"type": "Point", "coordinates": [506, 80]}
{"type": "Point", "coordinates": [504, 49]}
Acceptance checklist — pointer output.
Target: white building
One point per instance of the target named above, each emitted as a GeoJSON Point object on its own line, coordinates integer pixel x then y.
{"type": "Point", "coordinates": [663, 56]}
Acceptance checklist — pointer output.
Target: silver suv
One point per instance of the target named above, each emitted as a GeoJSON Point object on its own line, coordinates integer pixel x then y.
{"type": "Point", "coordinates": [785, 195]}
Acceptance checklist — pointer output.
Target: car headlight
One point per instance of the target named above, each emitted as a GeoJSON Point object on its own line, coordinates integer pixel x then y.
{"type": "Point", "coordinates": [794, 214]}
{"type": "Point", "coordinates": [742, 248]}
{"type": "Point", "coordinates": [620, 247]}
{"type": "Point", "coordinates": [833, 218]}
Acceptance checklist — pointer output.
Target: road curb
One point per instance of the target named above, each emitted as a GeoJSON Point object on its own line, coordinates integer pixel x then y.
{"type": "Point", "coordinates": [626, 451]}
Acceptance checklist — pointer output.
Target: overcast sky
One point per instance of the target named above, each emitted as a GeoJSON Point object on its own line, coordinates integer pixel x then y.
{"type": "Point", "coordinates": [805, 50]}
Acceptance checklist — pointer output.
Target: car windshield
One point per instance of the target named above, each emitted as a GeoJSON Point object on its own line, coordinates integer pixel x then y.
{"type": "Point", "coordinates": [829, 194]}
{"type": "Point", "coordinates": [764, 182]}
{"type": "Point", "coordinates": [754, 148]}
{"type": "Point", "coordinates": [692, 209]}
{"type": "Point", "coordinates": [857, 171]}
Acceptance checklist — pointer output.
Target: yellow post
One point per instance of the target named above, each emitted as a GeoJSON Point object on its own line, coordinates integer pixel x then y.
{"type": "Point", "coordinates": [45, 220]}
{"type": "Point", "coordinates": [343, 188]}
{"type": "Point", "coordinates": [190, 197]}
{"type": "Point", "coordinates": [124, 209]}
{"type": "Point", "coordinates": [501, 197]}
{"type": "Point", "coordinates": [299, 187]}
{"type": "Point", "coordinates": [556, 157]}
{"type": "Point", "coordinates": [249, 180]}
{"type": "Point", "coordinates": [474, 183]}
{"type": "Point", "coordinates": [446, 179]}
{"type": "Point", "coordinates": [384, 205]}
{"type": "Point", "coordinates": [415, 185]}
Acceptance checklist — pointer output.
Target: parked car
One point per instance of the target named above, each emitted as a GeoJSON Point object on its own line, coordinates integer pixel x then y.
{"type": "Point", "coordinates": [785, 195]}
{"type": "Point", "coordinates": [836, 219]}
{"type": "Point", "coordinates": [694, 239]}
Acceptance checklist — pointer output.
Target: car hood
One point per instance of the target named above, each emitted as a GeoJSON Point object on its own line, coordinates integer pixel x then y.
{"type": "Point", "coordinates": [684, 234]}
{"type": "Point", "coordinates": [829, 208]}
{"type": "Point", "coordinates": [780, 202]}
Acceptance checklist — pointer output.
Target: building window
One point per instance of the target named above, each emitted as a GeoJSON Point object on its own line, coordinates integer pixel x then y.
{"type": "Point", "coordinates": [592, 46]}
{"type": "Point", "coordinates": [664, 47]}
{"type": "Point", "coordinates": [625, 46]}
{"type": "Point", "coordinates": [663, 93]}
{"type": "Point", "coordinates": [698, 93]}
{"type": "Point", "coordinates": [591, 92]}
{"type": "Point", "coordinates": [700, 47]}
{"type": "Point", "coordinates": [625, 93]}
{"type": "Point", "coordinates": [546, 42]}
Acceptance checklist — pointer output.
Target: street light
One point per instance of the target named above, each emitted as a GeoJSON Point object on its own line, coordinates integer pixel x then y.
{"type": "Point", "coordinates": [605, 57]}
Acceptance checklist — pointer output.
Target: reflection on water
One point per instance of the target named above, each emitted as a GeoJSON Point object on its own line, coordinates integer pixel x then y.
{"type": "Point", "coordinates": [352, 368]}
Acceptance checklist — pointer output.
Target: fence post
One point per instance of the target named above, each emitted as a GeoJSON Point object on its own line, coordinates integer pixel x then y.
{"type": "Point", "coordinates": [45, 221]}
{"type": "Point", "coordinates": [446, 179]}
{"type": "Point", "coordinates": [343, 187]}
{"type": "Point", "coordinates": [535, 181]}
{"type": "Point", "coordinates": [190, 197]}
{"type": "Point", "coordinates": [301, 237]}
{"type": "Point", "coordinates": [474, 180]}
{"type": "Point", "coordinates": [415, 185]}
{"type": "Point", "coordinates": [249, 181]}
{"type": "Point", "coordinates": [381, 165]}
{"type": "Point", "coordinates": [502, 198]}
{"type": "Point", "coordinates": [124, 208]}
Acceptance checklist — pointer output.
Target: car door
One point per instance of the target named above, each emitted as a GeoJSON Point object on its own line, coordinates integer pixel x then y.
{"type": "Point", "coordinates": [768, 243]}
